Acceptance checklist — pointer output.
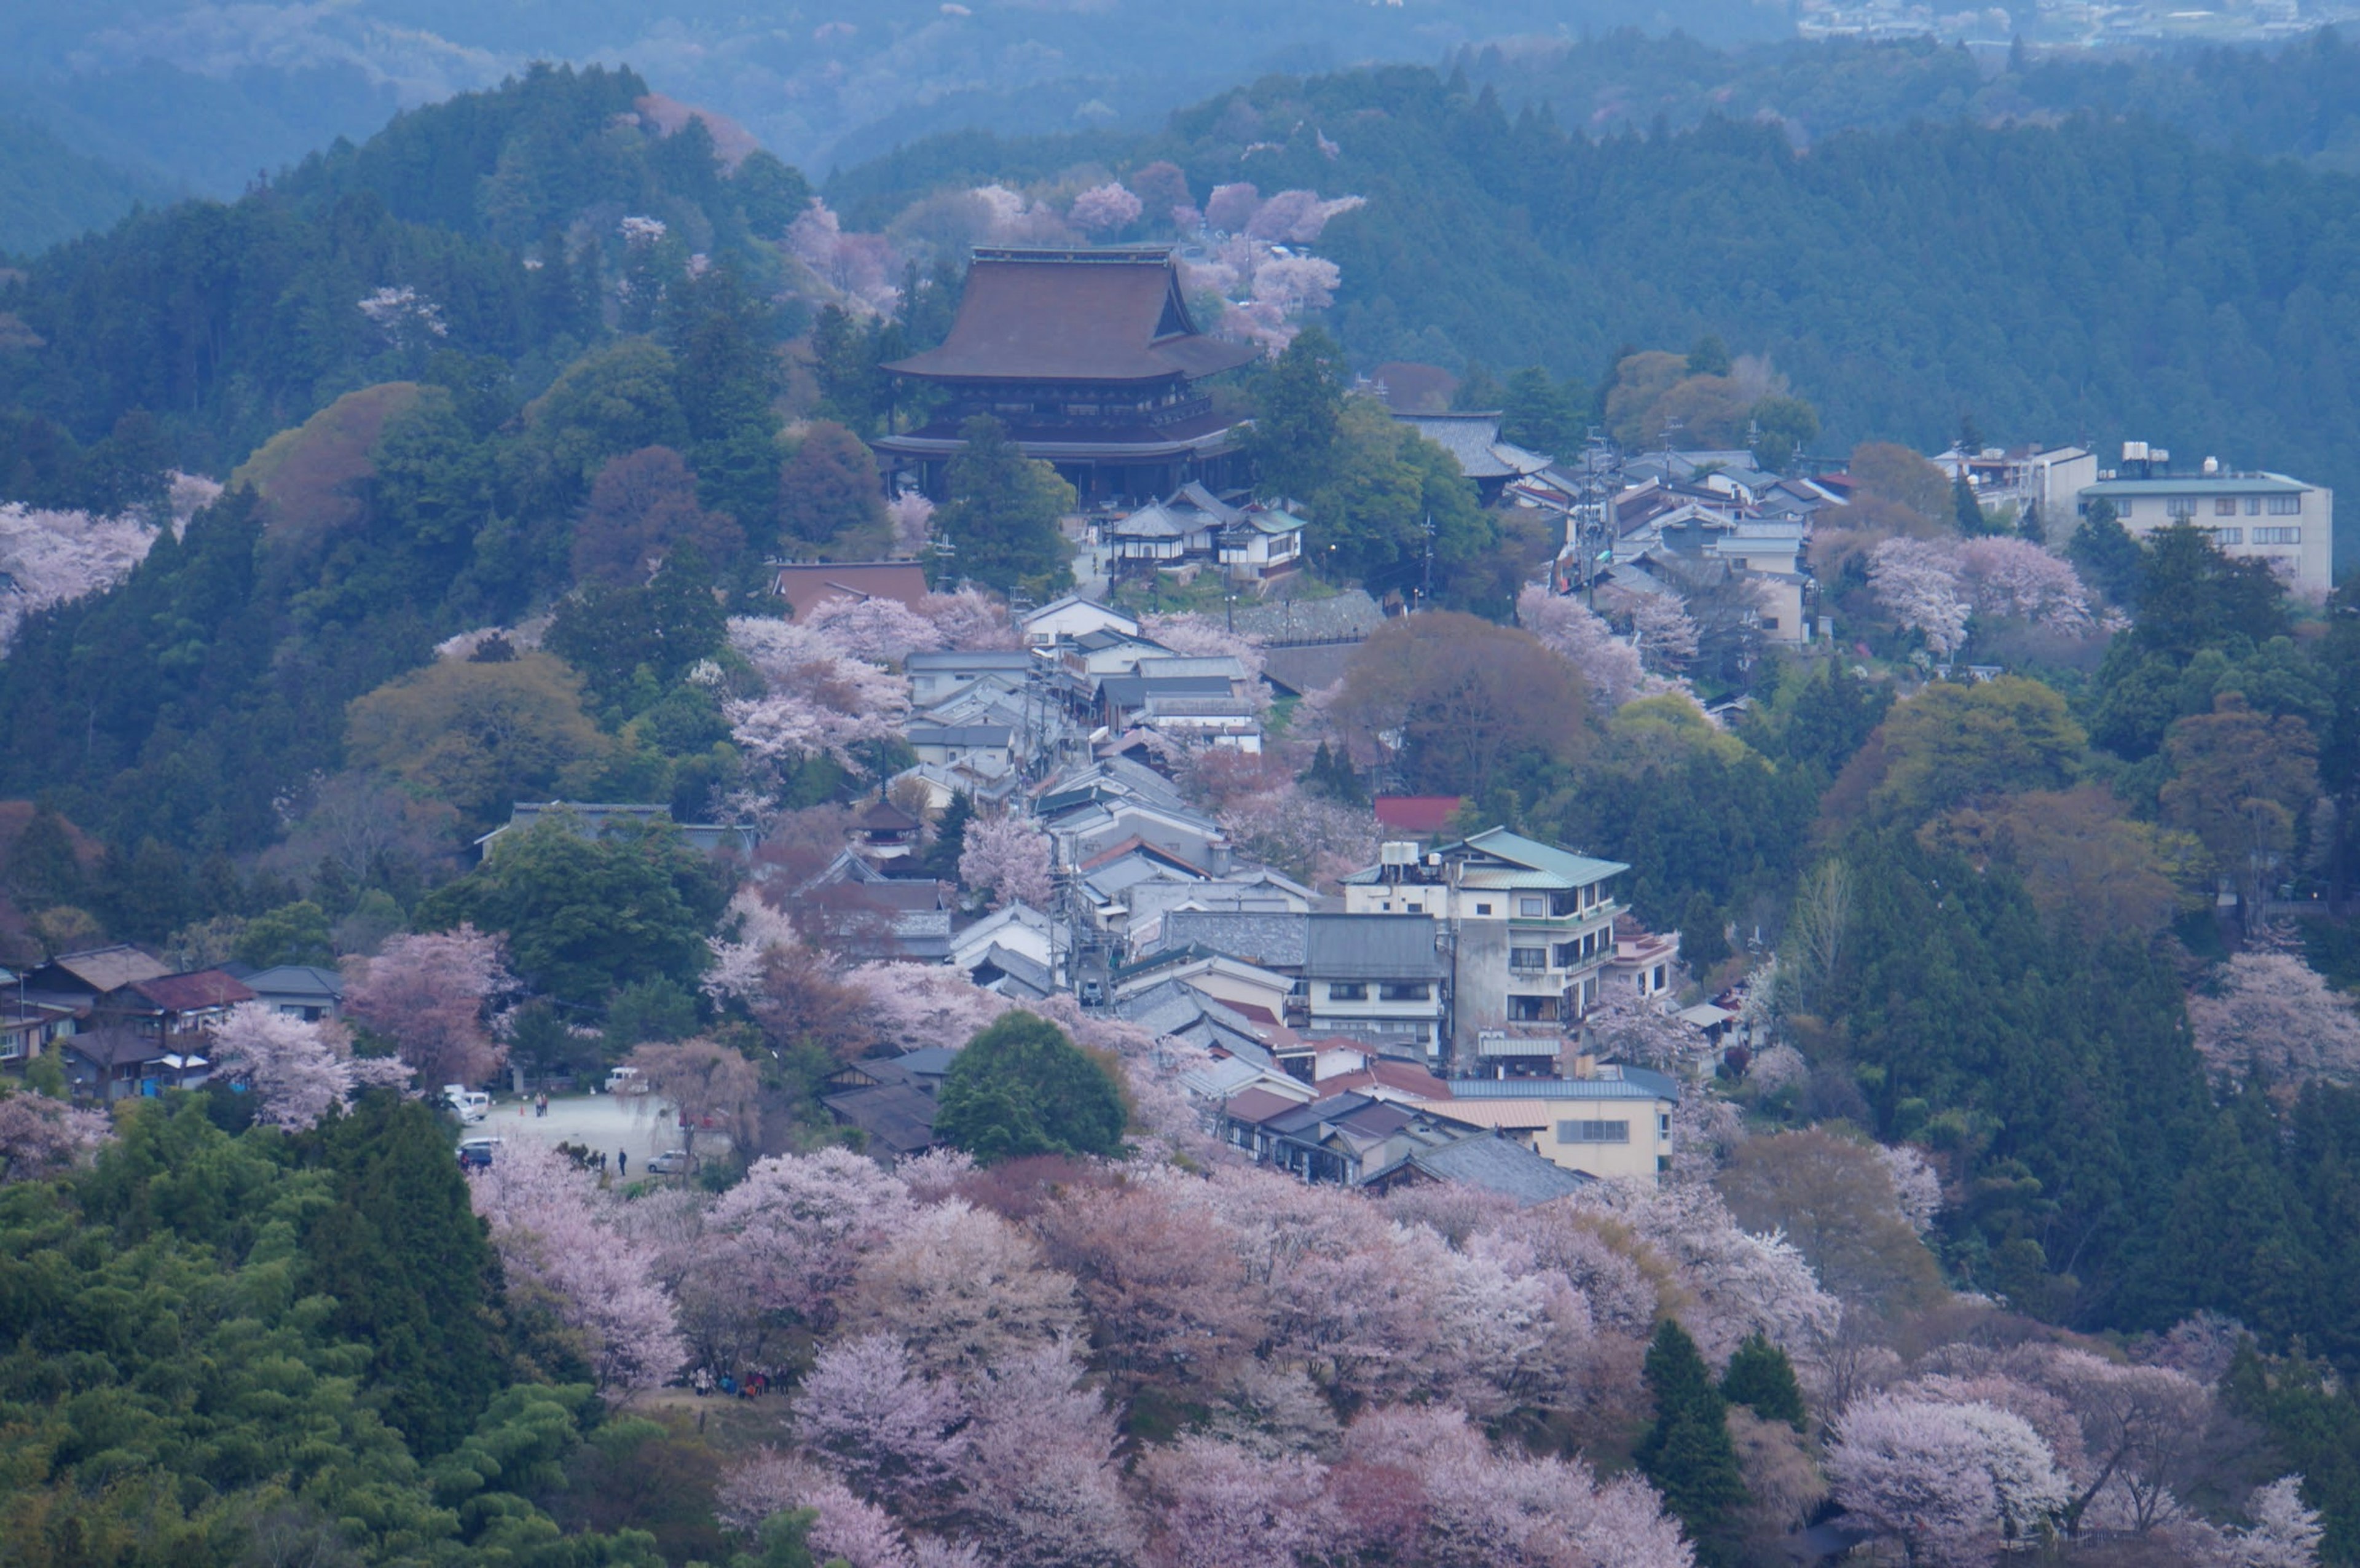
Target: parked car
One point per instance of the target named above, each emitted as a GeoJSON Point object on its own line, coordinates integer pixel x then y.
{"type": "Point", "coordinates": [471, 1104]}
{"type": "Point", "coordinates": [476, 1153]}
{"type": "Point", "coordinates": [626, 1081]}
{"type": "Point", "coordinates": [670, 1162]}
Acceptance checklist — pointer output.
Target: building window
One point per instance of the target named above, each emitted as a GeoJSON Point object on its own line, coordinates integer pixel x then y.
{"type": "Point", "coordinates": [1659, 977]}
{"type": "Point", "coordinates": [2123, 507]}
{"type": "Point", "coordinates": [1404, 991]}
{"type": "Point", "coordinates": [1528, 958]}
{"type": "Point", "coordinates": [2179, 508]}
{"type": "Point", "coordinates": [2286, 505]}
{"type": "Point", "coordinates": [1482, 909]}
{"type": "Point", "coordinates": [1414, 909]}
{"type": "Point", "coordinates": [2253, 506]}
{"type": "Point", "coordinates": [1593, 1132]}
{"type": "Point", "coordinates": [1532, 906]}
{"type": "Point", "coordinates": [1567, 954]}
{"type": "Point", "coordinates": [2278, 536]}
{"type": "Point", "coordinates": [1347, 991]}
{"type": "Point", "coordinates": [1663, 1125]}
{"type": "Point", "coordinates": [1769, 623]}
{"type": "Point", "coordinates": [1532, 1009]}
{"type": "Point", "coordinates": [2224, 505]}
{"type": "Point", "coordinates": [2230, 536]}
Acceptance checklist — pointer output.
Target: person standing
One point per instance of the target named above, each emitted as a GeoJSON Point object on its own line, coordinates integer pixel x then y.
{"type": "Point", "coordinates": [622, 1162]}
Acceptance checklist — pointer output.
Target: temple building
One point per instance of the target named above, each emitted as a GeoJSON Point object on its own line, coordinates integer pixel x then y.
{"type": "Point", "coordinates": [1091, 361]}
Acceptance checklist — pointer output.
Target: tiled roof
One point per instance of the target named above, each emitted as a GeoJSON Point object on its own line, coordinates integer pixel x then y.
{"type": "Point", "coordinates": [805, 585]}
{"type": "Point", "coordinates": [106, 968]}
{"type": "Point", "coordinates": [1074, 315]}
{"type": "Point", "coordinates": [1496, 1164]}
{"type": "Point", "coordinates": [1273, 939]}
{"type": "Point", "coordinates": [195, 991]}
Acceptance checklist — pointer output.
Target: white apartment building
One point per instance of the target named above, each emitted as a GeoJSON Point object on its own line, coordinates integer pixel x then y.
{"type": "Point", "coordinates": [1529, 929]}
{"type": "Point", "coordinates": [2254, 516]}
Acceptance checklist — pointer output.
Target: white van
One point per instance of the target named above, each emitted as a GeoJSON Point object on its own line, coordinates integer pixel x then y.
{"type": "Point", "coordinates": [625, 1081]}
{"type": "Point", "coordinates": [471, 1105]}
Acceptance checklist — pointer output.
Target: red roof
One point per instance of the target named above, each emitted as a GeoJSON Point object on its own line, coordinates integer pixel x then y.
{"type": "Point", "coordinates": [1417, 813]}
{"type": "Point", "coordinates": [195, 991]}
{"type": "Point", "coordinates": [1397, 1075]}
{"type": "Point", "coordinates": [805, 585]}
{"type": "Point", "coordinates": [1258, 1105]}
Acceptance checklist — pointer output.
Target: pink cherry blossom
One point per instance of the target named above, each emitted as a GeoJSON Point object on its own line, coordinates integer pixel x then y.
{"type": "Point", "coordinates": [1103, 209]}
{"type": "Point", "coordinates": [2271, 1011]}
{"type": "Point", "coordinates": [866, 1414]}
{"type": "Point", "coordinates": [558, 1246]}
{"type": "Point", "coordinates": [1918, 585]}
{"type": "Point", "coordinates": [297, 1070]}
{"type": "Point", "coordinates": [1008, 856]}
{"type": "Point", "coordinates": [40, 1137]}
{"type": "Point", "coordinates": [427, 993]}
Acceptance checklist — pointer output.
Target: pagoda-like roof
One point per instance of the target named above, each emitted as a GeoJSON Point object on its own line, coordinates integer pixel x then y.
{"type": "Point", "coordinates": [1115, 315]}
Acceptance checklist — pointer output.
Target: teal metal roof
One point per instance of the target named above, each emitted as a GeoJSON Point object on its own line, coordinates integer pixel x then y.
{"type": "Point", "coordinates": [1576, 869]}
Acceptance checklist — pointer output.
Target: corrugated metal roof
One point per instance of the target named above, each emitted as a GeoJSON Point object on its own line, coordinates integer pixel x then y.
{"type": "Point", "coordinates": [1578, 869]}
{"type": "Point", "coordinates": [2180, 484]}
{"type": "Point", "coordinates": [1370, 947]}
{"type": "Point", "coordinates": [1634, 1085]}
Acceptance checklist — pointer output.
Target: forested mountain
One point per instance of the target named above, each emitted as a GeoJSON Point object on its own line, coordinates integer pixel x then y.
{"type": "Point", "coordinates": [50, 191]}
{"type": "Point", "coordinates": [2301, 101]}
{"type": "Point", "coordinates": [2099, 279]}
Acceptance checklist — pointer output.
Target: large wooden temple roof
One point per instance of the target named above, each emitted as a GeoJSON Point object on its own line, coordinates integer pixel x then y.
{"type": "Point", "coordinates": [1074, 315]}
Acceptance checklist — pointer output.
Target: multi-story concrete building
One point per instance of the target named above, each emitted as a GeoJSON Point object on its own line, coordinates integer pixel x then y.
{"type": "Point", "coordinates": [2254, 516]}
{"type": "Point", "coordinates": [1527, 929]}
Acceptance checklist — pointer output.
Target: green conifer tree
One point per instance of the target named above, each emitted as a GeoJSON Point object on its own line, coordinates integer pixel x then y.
{"type": "Point", "coordinates": [1761, 1378]}
{"type": "Point", "coordinates": [1688, 1453]}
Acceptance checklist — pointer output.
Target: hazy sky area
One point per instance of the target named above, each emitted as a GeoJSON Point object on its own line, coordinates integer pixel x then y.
{"type": "Point", "coordinates": [202, 97]}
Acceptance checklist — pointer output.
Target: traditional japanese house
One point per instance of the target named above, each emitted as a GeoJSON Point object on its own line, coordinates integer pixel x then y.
{"type": "Point", "coordinates": [1090, 359]}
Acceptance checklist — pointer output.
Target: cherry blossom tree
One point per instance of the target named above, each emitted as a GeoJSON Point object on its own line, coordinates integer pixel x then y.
{"type": "Point", "coordinates": [1040, 1473]}
{"type": "Point", "coordinates": [1737, 1283]}
{"type": "Point", "coordinates": [1218, 1504]}
{"type": "Point", "coordinates": [1661, 627]}
{"type": "Point", "coordinates": [962, 1288]}
{"type": "Point", "coordinates": [886, 1430]}
{"type": "Point", "coordinates": [41, 1136]}
{"type": "Point", "coordinates": [913, 519]}
{"type": "Point", "coordinates": [1952, 1480]}
{"type": "Point", "coordinates": [789, 1238]}
{"type": "Point", "coordinates": [2274, 1013]}
{"type": "Point", "coordinates": [54, 557]}
{"type": "Point", "coordinates": [1626, 1027]}
{"type": "Point", "coordinates": [873, 630]}
{"type": "Point", "coordinates": [845, 1527]}
{"type": "Point", "coordinates": [2015, 577]}
{"type": "Point", "coordinates": [1475, 1507]}
{"type": "Point", "coordinates": [1231, 206]}
{"type": "Point", "coordinates": [819, 699]}
{"type": "Point", "coordinates": [548, 1223]}
{"type": "Point", "coordinates": [741, 963]}
{"type": "Point", "coordinates": [1610, 666]}
{"type": "Point", "coordinates": [2284, 1534]}
{"type": "Point", "coordinates": [427, 993]}
{"type": "Point", "coordinates": [297, 1070]}
{"type": "Point", "coordinates": [1915, 1188]}
{"type": "Point", "coordinates": [1293, 285]}
{"type": "Point", "coordinates": [1775, 1067]}
{"type": "Point", "coordinates": [916, 1004]}
{"type": "Point", "coordinates": [1164, 1284]}
{"type": "Point", "coordinates": [1104, 208]}
{"type": "Point", "coordinates": [1007, 857]}
{"type": "Point", "coordinates": [1296, 217]}
{"type": "Point", "coordinates": [970, 620]}
{"type": "Point", "coordinates": [1918, 585]}
{"type": "Point", "coordinates": [1307, 836]}
{"type": "Point", "coordinates": [858, 267]}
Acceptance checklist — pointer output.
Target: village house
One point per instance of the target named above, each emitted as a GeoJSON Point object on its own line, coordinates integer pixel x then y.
{"type": "Point", "coordinates": [1611, 1121]}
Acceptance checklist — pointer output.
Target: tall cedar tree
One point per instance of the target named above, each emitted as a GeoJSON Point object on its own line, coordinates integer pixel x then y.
{"type": "Point", "coordinates": [950, 839]}
{"type": "Point", "coordinates": [1688, 1453]}
{"type": "Point", "coordinates": [1298, 405]}
{"type": "Point", "coordinates": [1003, 512]}
{"type": "Point", "coordinates": [1021, 1088]}
{"type": "Point", "coordinates": [406, 1261]}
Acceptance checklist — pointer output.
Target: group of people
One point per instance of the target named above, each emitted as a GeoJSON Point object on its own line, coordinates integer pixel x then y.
{"type": "Point", "coordinates": [752, 1386]}
{"type": "Point", "coordinates": [590, 1158]}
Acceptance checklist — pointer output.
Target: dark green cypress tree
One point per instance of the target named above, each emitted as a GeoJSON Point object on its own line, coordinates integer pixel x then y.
{"type": "Point", "coordinates": [1688, 1453]}
{"type": "Point", "coordinates": [1761, 1378]}
{"type": "Point", "coordinates": [942, 860]}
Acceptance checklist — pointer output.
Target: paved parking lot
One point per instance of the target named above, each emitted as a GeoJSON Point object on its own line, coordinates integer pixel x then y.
{"type": "Point", "coordinates": [640, 1125]}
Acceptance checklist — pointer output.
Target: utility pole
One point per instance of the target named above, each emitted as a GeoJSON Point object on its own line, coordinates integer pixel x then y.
{"type": "Point", "coordinates": [1425, 593]}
